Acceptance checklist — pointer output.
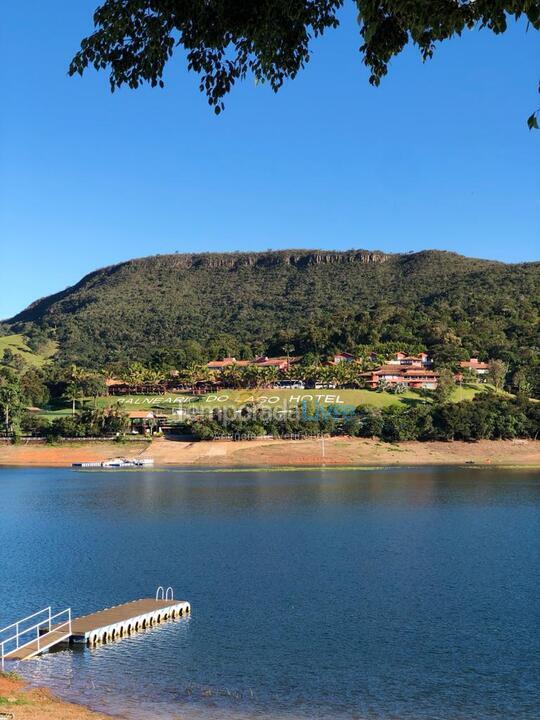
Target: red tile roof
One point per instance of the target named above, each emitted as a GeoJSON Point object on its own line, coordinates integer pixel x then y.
{"type": "Point", "coordinates": [474, 363]}
{"type": "Point", "coordinates": [226, 362]}
{"type": "Point", "coordinates": [402, 371]}
{"type": "Point", "coordinates": [271, 362]}
{"type": "Point", "coordinates": [259, 362]}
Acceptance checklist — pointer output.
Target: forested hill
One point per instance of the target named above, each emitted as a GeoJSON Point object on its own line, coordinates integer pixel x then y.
{"type": "Point", "coordinates": [184, 306]}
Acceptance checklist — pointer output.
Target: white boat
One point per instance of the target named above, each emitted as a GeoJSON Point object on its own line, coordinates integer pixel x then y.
{"type": "Point", "coordinates": [117, 463]}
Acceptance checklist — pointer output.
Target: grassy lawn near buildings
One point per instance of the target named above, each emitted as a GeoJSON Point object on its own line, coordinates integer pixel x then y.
{"type": "Point", "coordinates": [55, 413]}
{"type": "Point", "coordinates": [279, 399]}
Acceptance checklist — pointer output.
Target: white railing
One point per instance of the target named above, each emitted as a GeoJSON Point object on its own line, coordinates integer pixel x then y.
{"type": "Point", "coordinates": [171, 595]}
{"type": "Point", "coordinates": [37, 636]}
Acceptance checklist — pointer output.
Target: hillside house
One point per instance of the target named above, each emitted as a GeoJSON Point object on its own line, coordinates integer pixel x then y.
{"type": "Point", "coordinates": [227, 362]}
{"type": "Point", "coordinates": [203, 387]}
{"type": "Point", "coordinates": [411, 377]}
{"type": "Point", "coordinates": [121, 388]}
{"type": "Point", "coordinates": [112, 382]}
{"type": "Point", "coordinates": [281, 363]}
{"type": "Point", "coordinates": [342, 357]}
{"type": "Point", "coordinates": [420, 360]}
{"type": "Point", "coordinates": [145, 422]}
{"type": "Point", "coordinates": [474, 365]}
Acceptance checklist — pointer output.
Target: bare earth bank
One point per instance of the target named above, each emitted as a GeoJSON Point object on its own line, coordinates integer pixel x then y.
{"type": "Point", "coordinates": [280, 453]}
{"type": "Point", "coordinates": [38, 704]}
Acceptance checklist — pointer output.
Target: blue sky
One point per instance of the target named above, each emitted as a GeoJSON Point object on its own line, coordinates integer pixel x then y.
{"type": "Point", "coordinates": [439, 156]}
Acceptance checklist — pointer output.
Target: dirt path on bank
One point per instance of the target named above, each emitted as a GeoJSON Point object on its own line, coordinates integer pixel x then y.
{"type": "Point", "coordinates": [275, 453]}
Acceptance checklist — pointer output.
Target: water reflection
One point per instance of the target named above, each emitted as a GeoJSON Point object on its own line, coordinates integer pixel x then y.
{"type": "Point", "coordinates": [223, 492]}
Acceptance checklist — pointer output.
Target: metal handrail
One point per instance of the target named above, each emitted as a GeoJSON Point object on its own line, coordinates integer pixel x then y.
{"type": "Point", "coordinates": [162, 593]}
{"type": "Point", "coordinates": [167, 593]}
{"type": "Point", "coordinates": [28, 617]}
{"type": "Point", "coordinates": [36, 627]}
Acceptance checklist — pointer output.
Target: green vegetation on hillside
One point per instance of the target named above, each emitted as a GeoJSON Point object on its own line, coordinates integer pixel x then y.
{"type": "Point", "coordinates": [179, 309]}
{"type": "Point", "coordinates": [17, 344]}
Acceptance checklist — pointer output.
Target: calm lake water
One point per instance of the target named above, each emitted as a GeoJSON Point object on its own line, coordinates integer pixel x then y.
{"type": "Point", "coordinates": [405, 594]}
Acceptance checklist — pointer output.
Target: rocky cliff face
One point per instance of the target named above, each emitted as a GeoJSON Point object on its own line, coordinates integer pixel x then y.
{"type": "Point", "coordinates": [299, 258]}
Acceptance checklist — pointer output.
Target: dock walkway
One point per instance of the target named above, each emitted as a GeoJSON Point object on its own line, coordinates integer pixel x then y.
{"type": "Point", "coordinates": [37, 646]}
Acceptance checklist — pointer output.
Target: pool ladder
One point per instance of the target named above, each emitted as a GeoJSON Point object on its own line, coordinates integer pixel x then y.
{"type": "Point", "coordinates": [162, 594]}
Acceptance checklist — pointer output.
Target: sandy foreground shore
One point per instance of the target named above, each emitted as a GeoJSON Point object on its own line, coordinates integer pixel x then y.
{"type": "Point", "coordinates": [21, 703]}
{"type": "Point", "coordinates": [281, 453]}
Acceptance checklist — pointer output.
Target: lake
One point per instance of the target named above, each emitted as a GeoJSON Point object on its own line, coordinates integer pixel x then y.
{"type": "Point", "coordinates": [395, 594]}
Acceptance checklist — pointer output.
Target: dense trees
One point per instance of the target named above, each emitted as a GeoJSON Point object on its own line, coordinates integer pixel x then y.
{"type": "Point", "coordinates": [497, 373]}
{"type": "Point", "coordinates": [11, 409]}
{"type": "Point", "coordinates": [487, 417]}
{"type": "Point", "coordinates": [86, 423]}
{"type": "Point", "coordinates": [34, 387]}
{"type": "Point", "coordinates": [445, 385]}
{"type": "Point", "coordinates": [270, 39]}
{"type": "Point", "coordinates": [79, 383]}
{"type": "Point", "coordinates": [176, 311]}
{"type": "Point", "coordinates": [21, 389]}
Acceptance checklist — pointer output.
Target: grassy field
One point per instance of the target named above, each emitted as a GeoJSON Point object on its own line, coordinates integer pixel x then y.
{"type": "Point", "coordinates": [17, 344]}
{"type": "Point", "coordinates": [279, 399]}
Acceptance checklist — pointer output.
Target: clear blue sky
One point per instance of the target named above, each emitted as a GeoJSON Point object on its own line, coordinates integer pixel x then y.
{"type": "Point", "coordinates": [438, 157]}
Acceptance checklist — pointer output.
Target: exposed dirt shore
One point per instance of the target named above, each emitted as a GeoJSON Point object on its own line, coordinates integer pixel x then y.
{"type": "Point", "coordinates": [22, 703]}
{"type": "Point", "coordinates": [279, 453]}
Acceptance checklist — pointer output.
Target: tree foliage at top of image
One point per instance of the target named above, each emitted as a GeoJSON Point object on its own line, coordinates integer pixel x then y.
{"type": "Point", "coordinates": [225, 40]}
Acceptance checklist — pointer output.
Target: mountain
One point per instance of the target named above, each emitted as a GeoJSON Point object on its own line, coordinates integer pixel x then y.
{"type": "Point", "coordinates": [245, 303]}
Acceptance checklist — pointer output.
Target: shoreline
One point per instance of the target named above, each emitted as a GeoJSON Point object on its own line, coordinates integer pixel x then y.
{"type": "Point", "coordinates": [269, 453]}
{"type": "Point", "coordinates": [24, 702]}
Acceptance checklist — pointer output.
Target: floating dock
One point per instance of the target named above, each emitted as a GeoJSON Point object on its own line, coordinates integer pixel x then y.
{"type": "Point", "coordinates": [47, 631]}
{"type": "Point", "coordinates": [121, 620]}
{"type": "Point", "coordinates": [116, 463]}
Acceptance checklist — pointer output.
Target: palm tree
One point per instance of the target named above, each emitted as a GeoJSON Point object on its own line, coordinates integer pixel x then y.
{"type": "Point", "coordinates": [271, 375]}
{"type": "Point", "coordinates": [253, 375]}
{"type": "Point", "coordinates": [198, 373]}
{"type": "Point", "coordinates": [73, 393]}
{"type": "Point", "coordinates": [232, 376]}
{"type": "Point", "coordinates": [135, 374]}
{"type": "Point", "coordinates": [76, 374]}
{"type": "Point", "coordinates": [288, 348]}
